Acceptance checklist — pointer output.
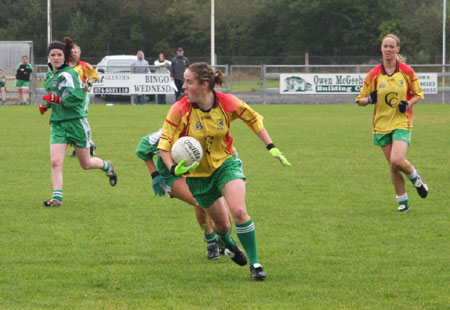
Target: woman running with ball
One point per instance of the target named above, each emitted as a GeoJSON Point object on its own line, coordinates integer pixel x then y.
{"type": "Point", "coordinates": [393, 88]}
{"type": "Point", "coordinates": [206, 114]}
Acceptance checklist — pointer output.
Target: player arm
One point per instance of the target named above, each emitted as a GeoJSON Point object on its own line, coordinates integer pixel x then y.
{"type": "Point", "coordinates": [368, 90]}
{"type": "Point", "coordinates": [255, 122]}
{"type": "Point", "coordinates": [414, 100]}
{"type": "Point", "coordinates": [416, 90]}
{"type": "Point", "coordinates": [159, 185]}
{"type": "Point", "coordinates": [364, 95]}
{"type": "Point", "coordinates": [92, 75]}
{"type": "Point", "coordinates": [363, 101]}
{"type": "Point", "coordinates": [167, 158]}
{"type": "Point", "coordinates": [263, 135]}
{"type": "Point", "coordinates": [72, 97]}
{"type": "Point", "coordinates": [151, 168]}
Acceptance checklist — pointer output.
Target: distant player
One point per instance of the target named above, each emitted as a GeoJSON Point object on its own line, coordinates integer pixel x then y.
{"type": "Point", "coordinates": [393, 88]}
{"type": "Point", "coordinates": [88, 76]}
{"type": "Point", "coordinates": [66, 96]}
{"type": "Point", "coordinates": [23, 73]}
{"type": "Point", "coordinates": [3, 86]}
{"type": "Point", "coordinates": [176, 187]}
{"type": "Point", "coordinates": [206, 115]}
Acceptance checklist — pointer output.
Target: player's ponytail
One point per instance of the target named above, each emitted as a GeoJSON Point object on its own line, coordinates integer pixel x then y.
{"type": "Point", "coordinates": [401, 58]}
{"type": "Point", "coordinates": [69, 45]}
{"type": "Point", "coordinates": [218, 78]}
{"type": "Point", "coordinates": [205, 73]}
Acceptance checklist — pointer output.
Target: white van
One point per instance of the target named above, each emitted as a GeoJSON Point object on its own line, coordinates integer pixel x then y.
{"type": "Point", "coordinates": [115, 63]}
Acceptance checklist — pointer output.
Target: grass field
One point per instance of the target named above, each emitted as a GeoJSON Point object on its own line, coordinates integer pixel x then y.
{"type": "Point", "coordinates": [328, 232]}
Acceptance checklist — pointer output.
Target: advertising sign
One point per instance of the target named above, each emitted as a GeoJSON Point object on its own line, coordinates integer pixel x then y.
{"type": "Point", "coordinates": [339, 83]}
{"type": "Point", "coordinates": [132, 84]}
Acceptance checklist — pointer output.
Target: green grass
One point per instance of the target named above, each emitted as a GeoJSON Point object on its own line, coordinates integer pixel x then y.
{"type": "Point", "coordinates": [253, 85]}
{"type": "Point", "coordinates": [328, 232]}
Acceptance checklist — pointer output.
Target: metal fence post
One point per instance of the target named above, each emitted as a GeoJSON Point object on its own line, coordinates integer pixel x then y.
{"type": "Point", "coordinates": [264, 83]}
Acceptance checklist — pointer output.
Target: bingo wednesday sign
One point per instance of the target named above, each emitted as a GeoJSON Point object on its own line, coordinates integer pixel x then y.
{"type": "Point", "coordinates": [132, 84]}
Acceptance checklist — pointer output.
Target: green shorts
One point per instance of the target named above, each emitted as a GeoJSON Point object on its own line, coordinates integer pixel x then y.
{"type": "Point", "coordinates": [145, 150]}
{"type": "Point", "coordinates": [165, 172]}
{"type": "Point", "coordinates": [76, 132]}
{"type": "Point", "coordinates": [22, 84]}
{"type": "Point", "coordinates": [396, 135]}
{"type": "Point", "coordinates": [2, 84]}
{"type": "Point", "coordinates": [207, 190]}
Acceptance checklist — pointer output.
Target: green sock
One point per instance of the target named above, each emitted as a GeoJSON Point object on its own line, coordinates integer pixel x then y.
{"type": "Point", "coordinates": [57, 194]}
{"type": "Point", "coordinates": [106, 166]}
{"type": "Point", "coordinates": [247, 236]}
{"type": "Point", "coordinates": [210, 238]}
{"type": "Point", "coordinates": [226, 240]}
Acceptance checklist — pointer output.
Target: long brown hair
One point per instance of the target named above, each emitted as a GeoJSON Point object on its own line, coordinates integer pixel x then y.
{"type": "Point", "coordinates": [205, 73]}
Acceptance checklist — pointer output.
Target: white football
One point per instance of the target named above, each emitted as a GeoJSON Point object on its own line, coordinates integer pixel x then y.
{"type": "Point", "coordinates": [187, 148]}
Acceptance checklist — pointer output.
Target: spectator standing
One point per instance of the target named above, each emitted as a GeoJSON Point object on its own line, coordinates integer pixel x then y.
{"type": "Point", "coordinates": [3, 86]}
{"type": "Point", "coordinates": [162, 67]}
{"type": "Point", "coordinates": [179, 64]}
{"type": "Point", "coordinates": [23, 72]}
{"type": "Point", "coordinates": [140, 65]}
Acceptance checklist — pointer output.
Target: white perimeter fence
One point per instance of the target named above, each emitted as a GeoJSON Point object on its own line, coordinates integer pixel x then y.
{"type": "Point", "coordinates": [261, 83]}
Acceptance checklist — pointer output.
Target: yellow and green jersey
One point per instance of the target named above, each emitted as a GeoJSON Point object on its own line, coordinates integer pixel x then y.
{"type": "Point", "coordinates": [391, 90]}
{"type": "Point", "coordinates": [211, 128]}
{"type": "Point", "coordinates": [86, 72]}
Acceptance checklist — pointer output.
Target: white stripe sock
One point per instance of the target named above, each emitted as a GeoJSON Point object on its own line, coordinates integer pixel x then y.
{"type": "Point", "coordinates": [413, 175]}
{"type": "Point", "coordinates": [402, 197]}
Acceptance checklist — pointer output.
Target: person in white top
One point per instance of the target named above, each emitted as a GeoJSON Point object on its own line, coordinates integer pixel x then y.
{"type": "Point", "coordinates": [162, 67]}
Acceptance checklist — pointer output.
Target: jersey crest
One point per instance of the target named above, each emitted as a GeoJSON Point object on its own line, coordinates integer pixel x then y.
{"type": "Point", "coordinates": [198, 126]}
{"type": "Point", "coordinates": [219, 124]}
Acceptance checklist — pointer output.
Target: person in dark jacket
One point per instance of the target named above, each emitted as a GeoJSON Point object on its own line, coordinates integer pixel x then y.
{"type": "Point", "coordinates": [179, 64]}
{"type": "Point", "coordinates": [23, 73]}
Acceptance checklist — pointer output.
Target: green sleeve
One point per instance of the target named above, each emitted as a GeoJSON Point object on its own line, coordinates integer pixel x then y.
{"type": "Point", "coordinates": [72, 93]}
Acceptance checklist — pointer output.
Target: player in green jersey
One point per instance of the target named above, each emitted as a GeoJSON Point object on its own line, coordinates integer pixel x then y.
{"type": "Point", "coordinates": [3, 86]}
{"type": "Point", "coordinates": [69, 125]}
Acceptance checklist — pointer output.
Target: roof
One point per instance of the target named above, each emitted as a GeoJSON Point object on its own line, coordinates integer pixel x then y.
{"type": "Point", "coordinates": [120, 57]}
